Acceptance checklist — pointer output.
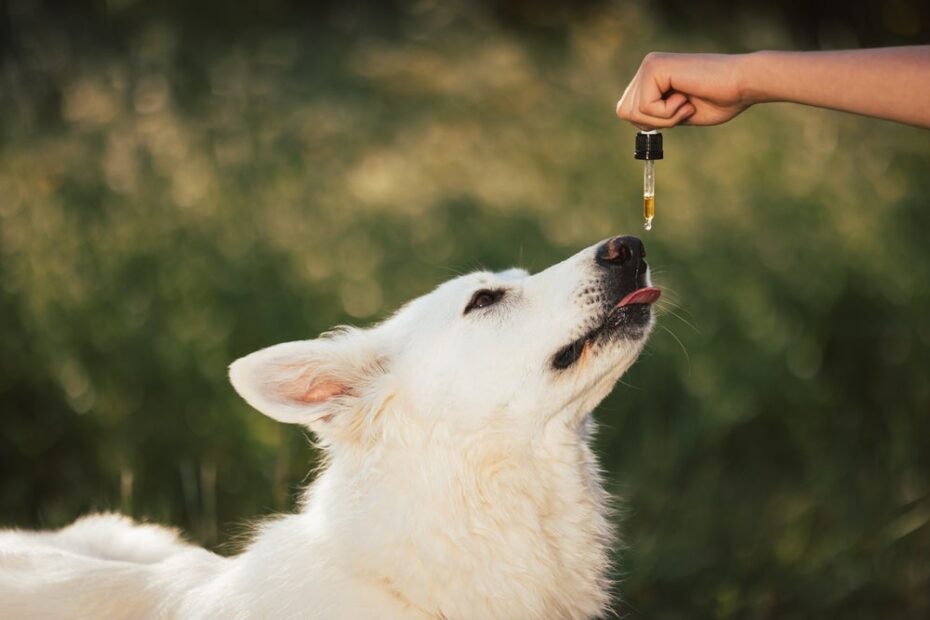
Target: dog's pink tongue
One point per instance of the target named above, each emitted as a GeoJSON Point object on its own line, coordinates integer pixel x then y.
{"type": "Point", "coordinates": [647, 295]}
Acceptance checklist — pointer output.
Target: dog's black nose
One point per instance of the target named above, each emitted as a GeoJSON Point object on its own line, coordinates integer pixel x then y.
{"type": "Point", "coordinates": [619, 251]}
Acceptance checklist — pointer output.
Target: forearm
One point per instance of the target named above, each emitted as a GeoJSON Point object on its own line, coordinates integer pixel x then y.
{"type": "Point", "coordinates": [891, 83]}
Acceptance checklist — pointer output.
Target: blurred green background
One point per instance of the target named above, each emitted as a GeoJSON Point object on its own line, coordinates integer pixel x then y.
{"type": "Point", "coordinates": [184, 183]}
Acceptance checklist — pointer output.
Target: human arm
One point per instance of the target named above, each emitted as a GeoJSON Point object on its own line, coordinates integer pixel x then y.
{"type": "Point", "coordinates": [708, 89]}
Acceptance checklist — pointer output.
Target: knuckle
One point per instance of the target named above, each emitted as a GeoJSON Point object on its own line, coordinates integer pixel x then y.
{"type": "Point", "coordinates": [652, 59]}
{"type": "Point", "coordinates": [622, 111]}
{"type": "Point", "coordinates": [638, 117]}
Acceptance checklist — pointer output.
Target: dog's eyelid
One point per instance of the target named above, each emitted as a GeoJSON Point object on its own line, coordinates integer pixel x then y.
{"type": "Point", "coordinates": [482, 298]}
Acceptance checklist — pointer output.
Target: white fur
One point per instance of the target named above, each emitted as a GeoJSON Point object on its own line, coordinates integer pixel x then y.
{"type": "Point", "coordinates": [459, 483]}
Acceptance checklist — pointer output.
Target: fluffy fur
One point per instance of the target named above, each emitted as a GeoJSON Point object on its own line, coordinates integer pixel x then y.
{"type": "Point", "coordinates": [459, 483]}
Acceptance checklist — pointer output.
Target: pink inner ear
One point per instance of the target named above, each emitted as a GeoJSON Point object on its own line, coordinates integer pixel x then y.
{"type": "Point", "coordinates": [321, 391]}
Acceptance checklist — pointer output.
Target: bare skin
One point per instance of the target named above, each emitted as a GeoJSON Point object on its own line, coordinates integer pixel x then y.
{"type": "Point", "coordinates": [892, 83]}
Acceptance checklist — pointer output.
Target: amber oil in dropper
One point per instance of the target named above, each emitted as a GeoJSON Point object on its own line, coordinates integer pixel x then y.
{"type": "Point", "coordinates": [649, 149]}
{"type": "Point", "coordinates": [649, 211]}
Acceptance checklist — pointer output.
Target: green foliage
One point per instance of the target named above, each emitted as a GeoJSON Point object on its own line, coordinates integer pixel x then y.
{"type": "Point", "coordinates": [169, 202]}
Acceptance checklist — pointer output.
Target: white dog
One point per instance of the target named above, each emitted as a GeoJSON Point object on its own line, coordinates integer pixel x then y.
{"type": "Point", "coordinates": [459, 483]}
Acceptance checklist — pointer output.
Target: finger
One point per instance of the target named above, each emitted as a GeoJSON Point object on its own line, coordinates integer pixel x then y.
{"type": "Point", "coordinates": [656, 95]}
{"type": "Point", "coordinates": [625, 104]}
{"type": "Point", "coordinates": [635, 116]}
{"type": "Point", "coordinates": [683, 114]}
{"type": "Point", "coordinates": [623, 108]}
{"type": "Point", "coordinates": [709, 114]}
{"type": "Point", "coordinates": [661, 108]}
{"type": "Point", "coordinates": [652, 122]}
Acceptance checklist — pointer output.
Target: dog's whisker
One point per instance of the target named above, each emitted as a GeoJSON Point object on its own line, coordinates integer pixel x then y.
{"type": "Point", "coordinates": [672, 313]}
{"type": "Point", "coordinates": [681, 344]}
{"type": "Point", "coordinates": [453, 270]}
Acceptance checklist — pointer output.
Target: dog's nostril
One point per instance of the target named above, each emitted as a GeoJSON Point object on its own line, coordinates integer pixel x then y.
{"type": "Point", "coordinates": [620, 250]}
{"type": "Point", "coordinates": [624, 253]}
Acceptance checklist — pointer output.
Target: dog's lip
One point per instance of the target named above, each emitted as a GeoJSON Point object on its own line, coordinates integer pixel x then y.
{"type": "Point", "coordinates": [646, 295]}
{"type": "Point", "coordinates": [641, 297]}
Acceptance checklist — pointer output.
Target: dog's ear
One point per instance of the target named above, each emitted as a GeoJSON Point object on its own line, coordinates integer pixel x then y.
{"type": "Point", "coordinates": [316, 383]}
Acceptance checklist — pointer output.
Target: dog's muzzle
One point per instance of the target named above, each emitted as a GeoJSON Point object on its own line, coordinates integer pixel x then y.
{"type": "Point", "coordinates": [623, 259]}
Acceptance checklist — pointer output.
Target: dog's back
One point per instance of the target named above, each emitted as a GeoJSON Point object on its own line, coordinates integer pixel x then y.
{"type": "Point", "coordinates": [101, 566]}
{"type": "Point", "coordinates": [105, 536]}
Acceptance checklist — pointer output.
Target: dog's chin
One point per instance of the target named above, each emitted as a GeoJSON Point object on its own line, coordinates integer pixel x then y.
{"type": "Point", "coordinates": [627, 323]}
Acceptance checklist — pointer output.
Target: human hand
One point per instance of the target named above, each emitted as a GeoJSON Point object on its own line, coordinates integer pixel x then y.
{"type": "Point", "coordinates": [692, 89]}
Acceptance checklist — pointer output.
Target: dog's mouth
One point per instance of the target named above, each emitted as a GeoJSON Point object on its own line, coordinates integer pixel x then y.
{"type": "Point", "coordinates": [627, 318]}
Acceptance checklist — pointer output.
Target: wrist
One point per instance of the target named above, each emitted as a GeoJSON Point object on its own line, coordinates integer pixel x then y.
{"type": "Point", "coordinates": [753, 77]}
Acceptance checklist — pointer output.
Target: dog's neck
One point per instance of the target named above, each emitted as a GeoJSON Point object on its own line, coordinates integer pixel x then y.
{"type": "Point", "coordinates": [498, 527]}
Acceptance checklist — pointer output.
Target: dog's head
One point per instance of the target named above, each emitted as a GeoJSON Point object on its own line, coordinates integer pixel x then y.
{"type": "Point", "coordinates": [508, 351]}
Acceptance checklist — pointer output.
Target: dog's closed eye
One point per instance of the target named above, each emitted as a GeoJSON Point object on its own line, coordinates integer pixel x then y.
{"type": "Point", "coordinates": [484, 298]}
